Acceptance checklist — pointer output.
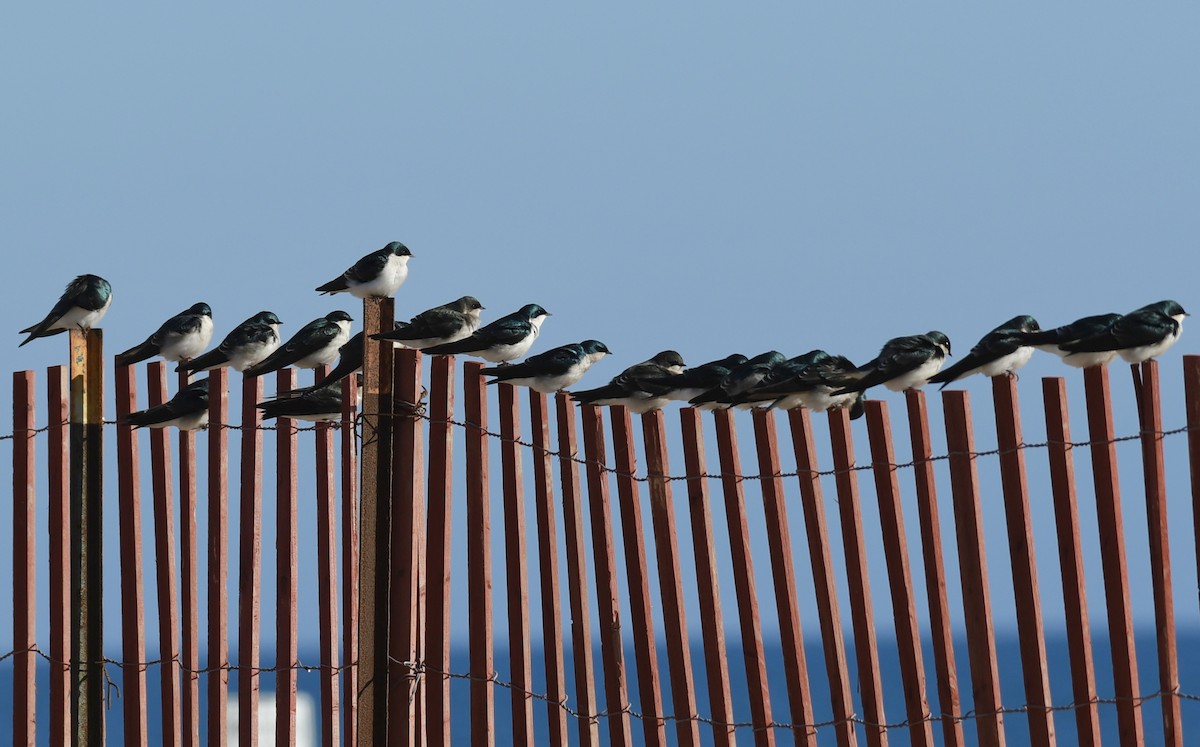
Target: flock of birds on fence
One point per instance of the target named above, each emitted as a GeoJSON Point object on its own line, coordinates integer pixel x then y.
{"type": "Point", "coordinates": [816, 380]}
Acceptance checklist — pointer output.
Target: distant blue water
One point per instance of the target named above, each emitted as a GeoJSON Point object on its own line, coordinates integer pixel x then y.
{"type": "Point", "coordinates": [1011, 688]}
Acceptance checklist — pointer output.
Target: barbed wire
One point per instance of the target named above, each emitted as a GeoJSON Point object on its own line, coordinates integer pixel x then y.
{"type": "Point", "coordinates": [420, 670]}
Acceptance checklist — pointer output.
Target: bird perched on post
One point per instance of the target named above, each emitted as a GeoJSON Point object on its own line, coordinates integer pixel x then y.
{"type": "Point", "coordinates": [249, 343]}
{"type": "Point", "coordinates": [437, 326]}
{"type": "Point", "coordinates": [180, 338]}
{"type": "Point", "coordinates": [316, 344]}
{"type": "Point", "coordinates": [187, 410]}
{"type": "Point", "coordinates": [379, 274]}
{"type": "Point", "coordinates": [804, 381]}
{"type": "Point", "coordinates": [82, 305]}
{"type": "Point", "coordinates": [1000, 352]}
{"type": "Point", "coordinates": [1138, 336]}
{"type": "Point", "coordinates": [318, 404]}
{"type": "Point", "coordinates": [694, 381]}
{"type": "Point", "coordinates": [903, 363]}
{"type": "Point", "coordinates": [505, 339]}
{"type": "Point", "coordinates": [553, 370]}
{"type": "Point", "coordinates": [738, 381]}
{"type": "Point", "coordinates": [640, 388]}
{"type": "Point", "coordinates": [350, 359]}
{"type": "Point", "coordinates": [1051, 340]}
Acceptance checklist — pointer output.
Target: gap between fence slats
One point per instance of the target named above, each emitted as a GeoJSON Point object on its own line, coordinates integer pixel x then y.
{"type": "Point", "coordinates": [854, 547]}
{"type": "Point", "coordinates": [552, 633]}
{"type": "Point", "coordinates": [758, 689]}
{"type": "Point", "coordinates": [895, 550]}
{"type": "Point", "coordinates": [1070, 557]}
{"type": "Point", "coordinates": [1023, 561]}
{"type": "Point", "coordinates": [662, 517]}
{"type": "Point", "coordinates": [929, 521]}
{"type": "Point", "coordinates": [641, 614]}
{"type": "Point", "coordinates": [1155, 475]}
{"type": "Point", "coordinates": [576, 553]}
{"type": "Point", "coordinates": [1112, 554]}
{"type": "Point", "coordinates": [616, 692]}
{"type": "Point", "coordinates": [977, 606]}
{"type": "Point", "coordinates": [812, 503]}
{"type": "Point", "coordinates": [791, 635]}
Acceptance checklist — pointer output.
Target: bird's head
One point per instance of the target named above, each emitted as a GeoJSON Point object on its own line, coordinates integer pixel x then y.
{"type": "Point", "coordinates": [594, 348]}
{"type": "Point", "coordinates": [398, 249]}
{"type": "Point", "coordinates": [669, 359]}
{"type": "Point", "coordinates": [939, 339]}
{"type": "Point", "coordinates": [265, 317]}
{"type": "Point", "coordinates": [199, 309]}
{"type": "Point", "coordinates": [338, 316]}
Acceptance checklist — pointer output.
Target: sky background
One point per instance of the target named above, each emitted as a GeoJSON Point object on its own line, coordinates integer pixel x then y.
{"type": "Point", "coordinates": [710, 179]}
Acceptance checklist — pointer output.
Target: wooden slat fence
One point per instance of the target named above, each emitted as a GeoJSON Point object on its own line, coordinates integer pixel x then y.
{"type": "Point", "coordinates": [631, 606]}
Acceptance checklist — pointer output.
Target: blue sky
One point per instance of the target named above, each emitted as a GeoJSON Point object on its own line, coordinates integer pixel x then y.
{"type": "Point", "coordinates": [708, 178]}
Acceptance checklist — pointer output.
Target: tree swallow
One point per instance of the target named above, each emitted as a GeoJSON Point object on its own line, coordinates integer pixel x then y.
{"type": "Point", "coordinates": [505, 339]}
{"type": "Point", "coordinates": [804, 381]}
{"type": "Point", "coordinates": [1001, 352]}
{"type": "Point", "coordinates": [319, 404]}
{"type": "Point", "coordinates": [553, 370]}
{"type": "Point", "coordinates": [350, 359]}
{"type": "Point", "coordinates": [449, 322]}
{"type": "Point", "coordinates": [180, 338]}
{"type": "Point", "coordinates": [316, 344]}
{"type": "Point", "coordinates": [1138, 336]}
{"type": "Point", "coordinates": [640, 388]}
{"type": "Point", "coordinates": [741, 379]}
{"type": "Point", "coordinates": [693, 382]}
{"type": "Point", "coordinates": [187, 410]}
{"type": "Point", "coordinates": [379, 274]}
{"type": "Point", "coordinates": [1049, 340]}
{"type": "Point", "coordinates": [249, 343]}
{"type": "Point", "coordinates": [83, 304]}
{"type": "Point", "coordinates": [903, 363]}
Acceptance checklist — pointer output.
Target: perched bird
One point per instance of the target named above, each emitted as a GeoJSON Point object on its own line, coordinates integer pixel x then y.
{"type": "Point", "coordinates": [187, 410]}
{"type": "Point", "coordinates": [437, 326]}
{"type": "Point", "coordinates": [641, 387]}
{"type": "Point", "coordinates": [553, 370]}
{"type": "Point", "coordinates": [1139, 335]}
{"type": "Point", "coordinates": [1051, 340]}
{"type": "Point", "coordinates": [249, 343]}
{"type": "Point", "coordinates": [81, 305]}
{"type": "Point", "coordinates": [1001, 352]}
{"type": "Point", "coordinates": [741, 379]}
{"type": "Point", "coordinates": [318, 404]}
{"type": "Point", "coordinates": [180, 338]}
{"type": "Point", "coordinates": [316, 344]}
{"type": "Point", "coordinates": [803, 381]}
{"type": "Point", "coordinates": [350, 359]}
{"type": "Point", "coordinates": [380, 273]}
{"type": "Point", "coordinates": [505, 339]}
{"type": "Point", "coordinates": [903, 363]}
{"type": "Point", "coordinates": [697, 380]}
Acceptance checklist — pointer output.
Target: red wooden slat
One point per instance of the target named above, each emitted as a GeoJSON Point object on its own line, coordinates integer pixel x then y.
{"type": "Point", "coordinates": [941, 634]}
{"type": "Point", "coordinates": [249, 562]}
{"type": "Point", "coordinates": [516, 574]}
{"type": "Point", "coordinates": [133, 607]}
{"type": "Point", "coordinates": [1160, 551]}
{"type": "Point", "coordinates": [350, 558]}
{"type": "Point", "coordinates": [787, 603]}
{"type": "Point", "coordinates": [670, 581]}
{"type": "Point", "coordinates": [708, 591]}
{"type": "Point", "coordinates": [327, 579]}
{"type": "Point", "coordinates": [637, 576]}
{"type": "Point", "coordinates": [1191, 399]}
{"type": "Point", "coordinates": [895, 550]}
{"type": "Point", "coordinates": [438, 556]}
{"type": "Point", "coordinates": [1070, 556]}
{"type": "Point", "coordinates": [218, 552]}
{"type": "Point", "coordinates": [375, 525]}
{"type": "Point", "coordinates": [1112, 554]}
{"type": "Point", "coordinates": [824, 576]}
{"type": "Point", "coordinates": [616, 692]}
{"type": "Point", "coordinates": [59, 525]}
{"type": "Point", "coordinates": [164, 556]}
{"type": "Point", "coordinates": [552, 633]}
{"type": "Point", "coordinates": [24, 528]}
{"type": "Point", "coordinates": [743, 579]}
{"type": "Point", "coordinates": [1023, 560]}
{"type": "Point", "coordinates": [857, 577]}
{"type": "Point", "coordinates": [189, 594]}
{"type": "Point", "coordinates": [968, 524]}
{"type": "Point", "coordinates": [286, 567]}
{"type": "Point", "coordinates": [408, 529]}
{"type": "Point", "coordinates": [479, 558]}
{"type": "Point", "coordinates": [581, 632]}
